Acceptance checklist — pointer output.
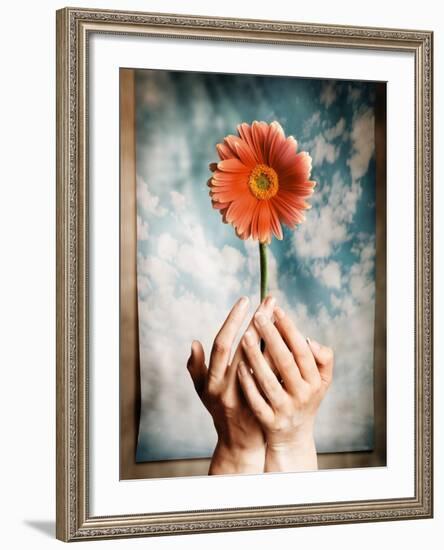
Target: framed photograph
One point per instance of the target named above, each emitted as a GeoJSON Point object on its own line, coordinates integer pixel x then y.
{"type": "Point", "coordinates": [244, 274]}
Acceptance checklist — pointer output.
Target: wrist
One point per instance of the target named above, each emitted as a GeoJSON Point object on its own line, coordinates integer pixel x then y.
{"type": "Point", "coordinates": [234, 459]}
{"type": "Point", "coordinates": [293, 452]}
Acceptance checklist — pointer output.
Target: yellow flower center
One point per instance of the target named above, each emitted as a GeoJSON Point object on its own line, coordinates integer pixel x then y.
{"type": "Point", "coordinates": [263, 182]}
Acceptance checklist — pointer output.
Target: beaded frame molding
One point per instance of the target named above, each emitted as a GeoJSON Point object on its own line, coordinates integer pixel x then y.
{"type": "Point", "coordinates": [73, 520]}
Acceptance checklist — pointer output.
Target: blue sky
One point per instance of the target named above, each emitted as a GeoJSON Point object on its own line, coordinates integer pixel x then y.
{"type": "Point", "coordinates": [192, 267]}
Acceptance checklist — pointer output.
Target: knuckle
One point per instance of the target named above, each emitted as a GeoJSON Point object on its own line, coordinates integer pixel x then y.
{"type": "Point", "coordinates": [227, 403]}
{"type": "Point", "coordinates": [212, 389]}
{"type": "Point", "coordinates": [281, 424]}
{"type": "Point", "coordinates": [269, 386]}
{"type": "Point", "coordinates": [249, 343]}
{"type": "Point", "coordinates": [257, 411]}
{"type": "Point", "coordinates": [305, 356]}
{"type": "Point", "coordinates": [287, 363]}
{"type": "Point", "coordinates": [304, 399]}
{"type": "Point", "coordinates": [219, 346]}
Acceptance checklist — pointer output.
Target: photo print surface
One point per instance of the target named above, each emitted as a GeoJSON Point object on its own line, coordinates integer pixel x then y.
{"type": "Point", "coordinates": [191, 267]}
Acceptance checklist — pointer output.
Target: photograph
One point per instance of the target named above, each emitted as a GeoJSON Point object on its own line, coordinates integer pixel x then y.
{"type": "Point", "coordinates": [255, 199]}
{"type": "Point", "coordinates": [244, 274]}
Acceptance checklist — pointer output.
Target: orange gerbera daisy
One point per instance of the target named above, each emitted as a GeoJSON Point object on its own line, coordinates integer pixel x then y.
{"type": "Point", "coordinates": [261, 181]}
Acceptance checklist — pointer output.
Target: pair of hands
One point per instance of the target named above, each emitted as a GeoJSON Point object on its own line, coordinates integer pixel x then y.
{"type": "Point", "coordinates": [263, 405]}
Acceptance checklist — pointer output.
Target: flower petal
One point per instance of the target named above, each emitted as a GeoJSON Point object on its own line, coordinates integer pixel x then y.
{"type": "Point", "coordinates": [228, 194]}
{"type": "Point", "coordinates": [224, 151]}
{"type": "Point", "coordinates": [297, 188]}
{"type": "Point", "coordinates": [285, 154]}
{"type": "Point", "coordinates": [275, 223]}
{"type": "Point", "coordinates": [232, 178]}
{"type": "Point", "coordinates": [220, 205]}
{"type": "Point", "coordinates": [233, 165]}
{"type": "Point", "coordinates": [259, 133]}
{"type": "Point", "coordinates": [294, 200]}
{"type": "Point", "coordinates": [287, 213]}
{"type": "Point", "coordinates": [242, 211]}
{"type": "Point", "coordinates": [264, 222]}
{"type": "Point", "coordinates": [276, 139]}
{"type": "Point", "coordinates": [299, 166]}
{"type": "Point", "coordinates": [245, 133]}
{"type": "Point", "coordinates": [243, 151]}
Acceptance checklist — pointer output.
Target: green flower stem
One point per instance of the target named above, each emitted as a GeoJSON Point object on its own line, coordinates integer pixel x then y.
{"type": "Point", "coordinates": [264, 276]}
{"type": "Point", "coordinates": [264, 269]}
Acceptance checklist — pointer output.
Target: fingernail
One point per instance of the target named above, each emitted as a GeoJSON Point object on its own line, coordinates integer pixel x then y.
{"type": "Point", "coordinates": [260, 319]}
{"type": "Point", "coordinates": [243, 301]}
{"type": "Point", "coordinates": [279, 312]}
{"type": "Point", "coordinates": [248, 338]}
{"type": "Point", "coordinates": [315, 346]}
{"type": "Point", "coordinates": [270, 301]}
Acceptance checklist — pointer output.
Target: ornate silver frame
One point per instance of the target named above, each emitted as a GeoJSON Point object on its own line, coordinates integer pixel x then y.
{"type": "Point", "coordinates": [74, 521]}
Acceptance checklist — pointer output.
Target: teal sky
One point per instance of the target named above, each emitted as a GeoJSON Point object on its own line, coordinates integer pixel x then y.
{"type": "Point", "coordinates": [192, 267]}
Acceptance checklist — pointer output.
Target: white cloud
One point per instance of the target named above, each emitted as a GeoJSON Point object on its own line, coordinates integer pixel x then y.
{"type": "Point", "coordinates": [166, 158]}
{"type": "Point", "coordinates": [177, 200]}
{"type": "Point", "coordinates": [142, 229]}
{"type": "Point", "coordinates": [329, 273]}
{"type": "Point", "coordinates": [143, 285]}
{"type": "Point", "coordinates": [147, 200]}
{"type": "Point", "coordinates": [363, 143]}
{"type": "Point", "coordinates": [212, 268]}
{"type": "Point", "coordinates": [159, 272]}
{"type": "Point", "coordinates": [167, 246]}
{"type": "Point", "coordinates": [312, 122]}
{"type": "Point", "coordinates": [328, 94]}
{"type": "Point", "coordinates": [362, 286]}
{"type": "Point", "coordinates": [320, 147]}
{"type": "Point", "coordinates": [335, 131]}
{"type": "Point", "coordinates": [344, 303]}
{"type": "Point", "coordinates": [326, 226]}
{"type": "Point", "coordinates": [322, 151]}
{"type": "Point", "coordinates": [358, 283]}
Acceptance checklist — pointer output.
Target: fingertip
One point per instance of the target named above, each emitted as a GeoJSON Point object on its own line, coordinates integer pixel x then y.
{"type": "Point", "coordinates": [270, 301]}
{"type": "Point", "coordinates": [194, 352]}
{"type": "Point", "coordinates": [315, 346]}
{"type": "Point", "coordinates": [190, 358]}
{"type": "Point", "coordinates": [279, 313]}
{"type": "Point", "coordinates": [196, 346]}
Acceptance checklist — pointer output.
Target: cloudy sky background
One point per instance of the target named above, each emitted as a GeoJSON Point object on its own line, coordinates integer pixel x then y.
{"type": "Point", "coordinates": [192, 267]}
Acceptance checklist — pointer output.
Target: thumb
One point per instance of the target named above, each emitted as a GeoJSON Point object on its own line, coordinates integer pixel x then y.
{"type": "Point", "coordinates": [324, 358]}
{"type": "Point", "coordinates": [196, 366]}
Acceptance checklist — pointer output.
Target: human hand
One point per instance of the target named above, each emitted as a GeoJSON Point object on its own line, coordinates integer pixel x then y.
{"type": "Point", "coordinates": [240, 447]}
{"type": "Point", "coordinates": [287, 410]}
